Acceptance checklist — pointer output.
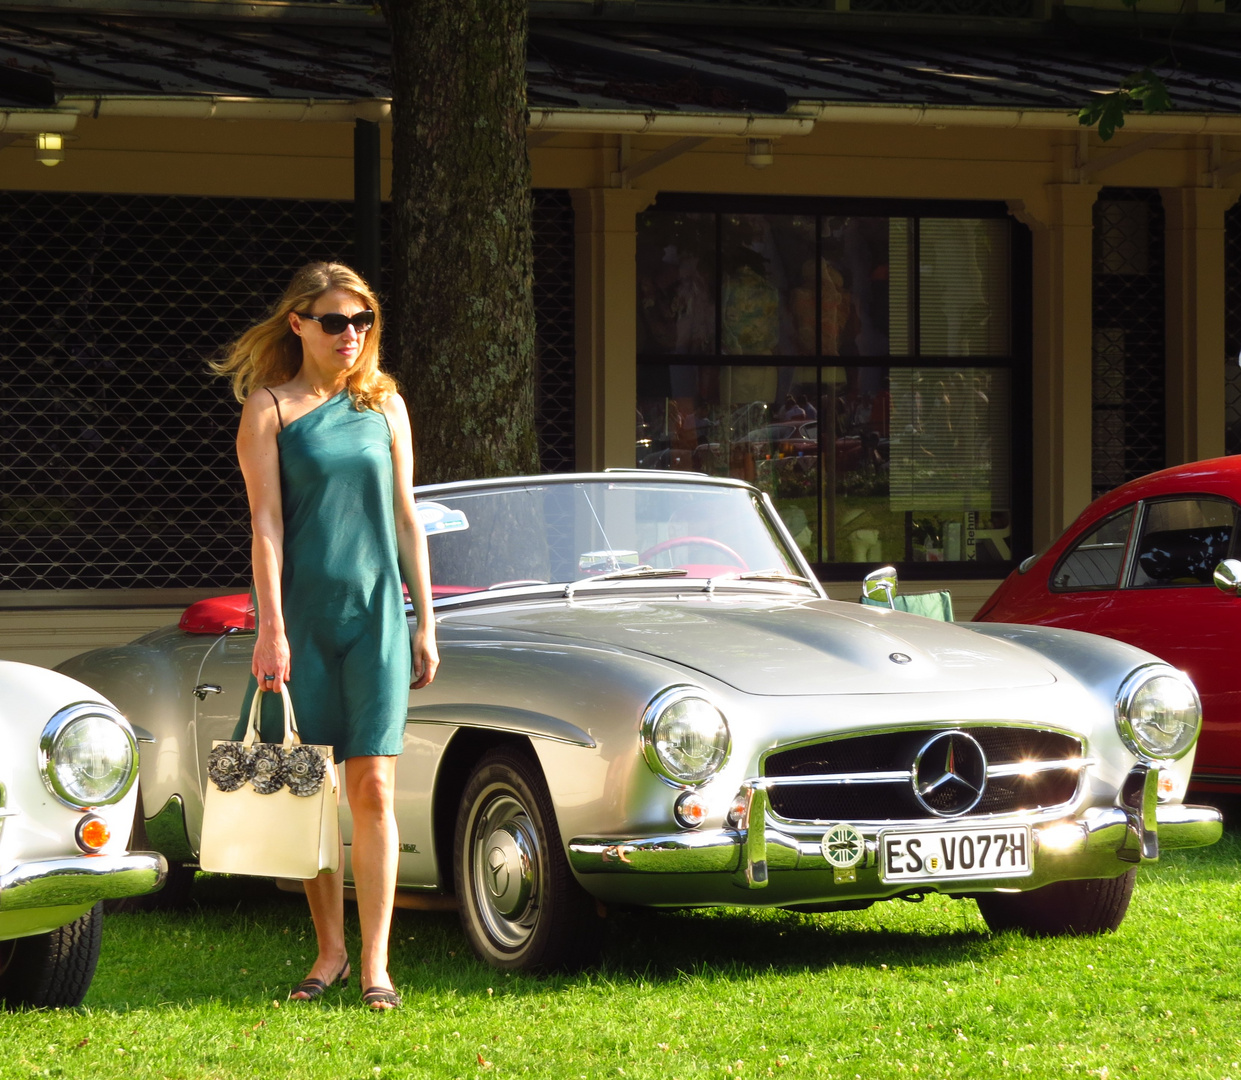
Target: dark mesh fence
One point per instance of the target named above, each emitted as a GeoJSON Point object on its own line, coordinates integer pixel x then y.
{"type": "Point", "coordinates": [117, 467]}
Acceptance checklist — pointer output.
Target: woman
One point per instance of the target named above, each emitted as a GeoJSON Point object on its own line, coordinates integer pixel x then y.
{"type": "Point", "coordinates": [327, 454]}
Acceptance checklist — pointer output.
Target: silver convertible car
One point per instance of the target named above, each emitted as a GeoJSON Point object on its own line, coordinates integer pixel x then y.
{"type": "Point", "coordinates": [646, 698]}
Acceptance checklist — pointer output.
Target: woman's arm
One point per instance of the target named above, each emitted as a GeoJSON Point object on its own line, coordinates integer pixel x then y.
{"type": "Point", "coordinates": [260, 465]}
{"type": "Point", "coordinates": [411, 541]}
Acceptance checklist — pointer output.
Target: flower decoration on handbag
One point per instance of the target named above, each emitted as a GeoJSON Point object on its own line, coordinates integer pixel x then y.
{"type": "Point", "coordinates": [230, 765]}
{"type": "Point", "coordinates": [304, 770]}
{"type": "Point", "coordinates": [268, 775]}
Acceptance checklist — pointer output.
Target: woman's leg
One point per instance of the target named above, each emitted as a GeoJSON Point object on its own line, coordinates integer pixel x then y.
{"type": "Point", "coordinates": [371, 783]}
{"type": "Point", "coordinates": [326, 895]}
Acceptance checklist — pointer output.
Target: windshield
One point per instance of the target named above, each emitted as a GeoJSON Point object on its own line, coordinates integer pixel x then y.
{"type": "Point", "coordinates": [560, 532]}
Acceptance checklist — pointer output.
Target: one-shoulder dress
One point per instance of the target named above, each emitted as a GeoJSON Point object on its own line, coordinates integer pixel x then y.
{"type": "Point", "coordinates": [344, 609]}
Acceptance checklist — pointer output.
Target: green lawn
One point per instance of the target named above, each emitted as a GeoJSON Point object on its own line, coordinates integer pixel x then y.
{"type": "Point", "coordinates": [899, 990]}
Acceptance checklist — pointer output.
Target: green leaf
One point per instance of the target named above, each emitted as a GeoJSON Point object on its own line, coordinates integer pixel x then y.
{"type": "Point", "coordinates": [1143, 88]}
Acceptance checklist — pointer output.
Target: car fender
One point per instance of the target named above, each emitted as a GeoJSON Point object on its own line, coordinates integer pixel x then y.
{"type": "Point", "coordinates": [150, 681]}
{"type": "Point", "coordinates": [1101, 665]}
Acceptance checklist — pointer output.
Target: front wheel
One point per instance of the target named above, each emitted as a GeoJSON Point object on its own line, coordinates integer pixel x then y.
{"type": "Point", "coordinates": [52, 970]}
{"type": "Point", "coordinates": [520, 904]}
{"type": "Point", "coordinates": [1063, 908]}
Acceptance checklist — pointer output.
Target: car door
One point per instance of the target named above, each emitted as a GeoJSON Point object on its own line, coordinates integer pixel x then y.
{"type": "Point", "coordinates": [1085, 580]}
{"type": "Point", "coordinates": [1169, 606]}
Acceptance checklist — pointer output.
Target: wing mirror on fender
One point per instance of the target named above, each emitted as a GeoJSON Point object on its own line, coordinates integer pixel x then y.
{"type": "Point", "coordinates": [880, 584]}
{"type": "Point", "coordinates": [1228, 577]}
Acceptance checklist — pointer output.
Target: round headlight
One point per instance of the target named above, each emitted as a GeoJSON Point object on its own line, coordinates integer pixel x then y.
{"type": "Point", "coordinates": [88, 755]}
{"type": "Point", "coordinates": [1158, 713]}
{"type": "Point", "coordinates": [684, 737]}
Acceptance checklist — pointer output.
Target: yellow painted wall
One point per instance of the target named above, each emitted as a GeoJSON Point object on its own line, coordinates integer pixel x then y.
{"type": "Point", "coordinates": [1038, 173]}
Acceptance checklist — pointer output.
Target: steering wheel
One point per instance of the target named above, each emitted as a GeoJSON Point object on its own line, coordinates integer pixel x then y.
{"type": "Point", "coordinates": [682, 541]}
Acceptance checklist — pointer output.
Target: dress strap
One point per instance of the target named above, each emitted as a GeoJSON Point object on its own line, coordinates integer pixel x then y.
{"type": "Point", "coordinates": [279, 418]}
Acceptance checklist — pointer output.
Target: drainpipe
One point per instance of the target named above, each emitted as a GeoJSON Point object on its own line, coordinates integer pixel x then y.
{"type": "Point", "coordinates": [28, 122]}
{"type": "Point", "coordinates": [800, 120]}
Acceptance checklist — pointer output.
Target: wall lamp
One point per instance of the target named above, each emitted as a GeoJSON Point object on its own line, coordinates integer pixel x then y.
{"type": "Point", "coordinates": [759, 153]}
{"type": "Point", "coordinates": [49, 147]}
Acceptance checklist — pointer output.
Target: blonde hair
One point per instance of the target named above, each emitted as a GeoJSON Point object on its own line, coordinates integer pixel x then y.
{"type": "Point", "coordinates": [269, 353]}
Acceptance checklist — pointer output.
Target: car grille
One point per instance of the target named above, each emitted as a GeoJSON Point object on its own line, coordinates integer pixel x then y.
{"type": "Point", "coordinates": [869, 777]}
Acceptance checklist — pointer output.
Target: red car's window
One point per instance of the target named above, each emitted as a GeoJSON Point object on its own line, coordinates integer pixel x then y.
{"type": "Point", "coordinates": [1095, 561]}
{"type": "Point", "coordinates": [1182, 541]}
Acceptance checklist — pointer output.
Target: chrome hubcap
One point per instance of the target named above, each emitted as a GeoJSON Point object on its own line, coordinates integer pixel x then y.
{"type": "Point", "coordinates": [504, 865]}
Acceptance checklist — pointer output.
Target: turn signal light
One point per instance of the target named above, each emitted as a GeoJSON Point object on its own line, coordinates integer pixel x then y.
{"type": "Point", "coordinates": [93, 833]}
{"type": "Point", "coordinates": [690, 810]}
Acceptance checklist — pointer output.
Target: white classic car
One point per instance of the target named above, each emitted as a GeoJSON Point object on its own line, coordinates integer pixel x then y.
{"type": "Point", "coordinates": [67, 804]}
{"type": "Point", "coordinates": [646, 698]}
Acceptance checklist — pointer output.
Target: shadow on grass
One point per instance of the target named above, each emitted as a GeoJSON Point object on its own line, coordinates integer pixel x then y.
{"type": "Point", "coordinates": [430, 953]}
{"type": "Point", "coordinates": [250, 937]}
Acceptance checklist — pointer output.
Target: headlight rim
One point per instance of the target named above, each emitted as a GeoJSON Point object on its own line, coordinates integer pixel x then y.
{"type": "Point", "coordinates": [1129, 689]}
{"type": "Point", "coordinates": [55, 728]}
{"type": "Point", "coordinates": [658, 705]}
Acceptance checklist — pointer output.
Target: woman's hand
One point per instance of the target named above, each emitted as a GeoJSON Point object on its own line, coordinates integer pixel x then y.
{"type": "Point", "coordinates": [271, 657]}
{"type": "Point", "coordinates": [426, 658]}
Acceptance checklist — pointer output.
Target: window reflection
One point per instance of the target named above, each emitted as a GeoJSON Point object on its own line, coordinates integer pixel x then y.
{"type": "Point", "coordinates": [767, 293]}
{"type": "Point", "coordinates": [676, 283]}
{"type": "Point", "coordinates": [865, 464]}
{"type": "Point", "coordinates": [821, 316]}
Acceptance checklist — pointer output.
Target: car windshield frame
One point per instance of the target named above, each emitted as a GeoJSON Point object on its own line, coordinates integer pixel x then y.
{"type": "Point", "coordinates": [579, 534]}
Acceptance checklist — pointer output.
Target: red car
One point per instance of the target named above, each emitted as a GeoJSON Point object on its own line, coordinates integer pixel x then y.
{"type": "Point", "coordinates": [1138, 565]}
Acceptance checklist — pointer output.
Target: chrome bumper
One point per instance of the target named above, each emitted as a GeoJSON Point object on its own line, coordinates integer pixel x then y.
{"type": "Point", "coordinates": [80, 879]}
{"type": "Point", "coordinates": [1101, 842]}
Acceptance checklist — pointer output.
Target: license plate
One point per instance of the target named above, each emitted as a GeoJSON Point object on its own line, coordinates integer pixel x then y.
{"type": "Point", "coordinates": [955, 853]}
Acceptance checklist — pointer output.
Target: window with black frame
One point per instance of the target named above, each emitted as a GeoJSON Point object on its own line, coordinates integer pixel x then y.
{"type": "Point", "coordinates": [857, 366]}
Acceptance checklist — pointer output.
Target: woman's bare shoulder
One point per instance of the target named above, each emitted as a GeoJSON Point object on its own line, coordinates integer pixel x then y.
{"type": "Point", "coordinates": [259, 410]}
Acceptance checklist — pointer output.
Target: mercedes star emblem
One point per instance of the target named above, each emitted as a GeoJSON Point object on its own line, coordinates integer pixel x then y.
{"type": "Point", "coordinates": [950, 774]}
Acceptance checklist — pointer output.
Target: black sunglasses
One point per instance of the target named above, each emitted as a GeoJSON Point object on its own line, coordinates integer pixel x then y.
{"type": "Point", "coordinates": [335, 323]}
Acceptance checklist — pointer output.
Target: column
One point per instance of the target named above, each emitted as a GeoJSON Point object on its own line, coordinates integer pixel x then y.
{"type": "Point", "coordinates": [1061, 221]}
{"type": "Point", "coordinates": [1194, 291]}
{"type": "Point", "coordinates": [605, 237]}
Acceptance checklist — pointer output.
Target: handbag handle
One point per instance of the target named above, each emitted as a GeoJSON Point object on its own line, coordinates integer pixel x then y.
{"type": "Point", "coordinates": [292, 737]}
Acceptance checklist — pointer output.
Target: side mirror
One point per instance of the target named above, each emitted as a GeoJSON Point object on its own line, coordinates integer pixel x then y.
{"type": "Point", "coordinates": [880, 584]}
{"type": "Point", "coordinates": [1228, 577]}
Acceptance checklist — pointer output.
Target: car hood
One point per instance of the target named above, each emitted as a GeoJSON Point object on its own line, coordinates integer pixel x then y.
{"type": "Point", "coordinates": [779, 646]}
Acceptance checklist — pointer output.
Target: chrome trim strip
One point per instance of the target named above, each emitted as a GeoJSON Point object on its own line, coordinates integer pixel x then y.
{"type": "Point", "coordinates": [892, 776]}
{"type": "Point", "coordinates": [82, 879]}
{"type": "Point", "coordinates": [1030, 767]}
{"type": "Point", "coordinates": [1095, 852]}
{"type": "Point", "coordinates": [931, 727]}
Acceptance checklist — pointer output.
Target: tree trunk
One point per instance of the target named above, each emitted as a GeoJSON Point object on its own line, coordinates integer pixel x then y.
{"type": "Point", "coordinates": [461, 336]}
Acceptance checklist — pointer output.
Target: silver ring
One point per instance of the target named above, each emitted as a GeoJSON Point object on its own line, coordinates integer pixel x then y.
{"type": "Point", "coordinates": [269, 678]}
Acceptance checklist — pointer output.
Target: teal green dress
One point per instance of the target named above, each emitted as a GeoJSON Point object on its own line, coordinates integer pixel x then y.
{"type": "Point", "coordinates": [344, 609]}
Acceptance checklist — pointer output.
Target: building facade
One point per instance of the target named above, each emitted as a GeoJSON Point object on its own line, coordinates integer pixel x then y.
{"type": "Point", "coordinates": [865, 258]}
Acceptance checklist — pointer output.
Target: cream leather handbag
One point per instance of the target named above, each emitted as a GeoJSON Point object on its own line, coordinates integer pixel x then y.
{"type": "Point", "coordinates": [270, 808]}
